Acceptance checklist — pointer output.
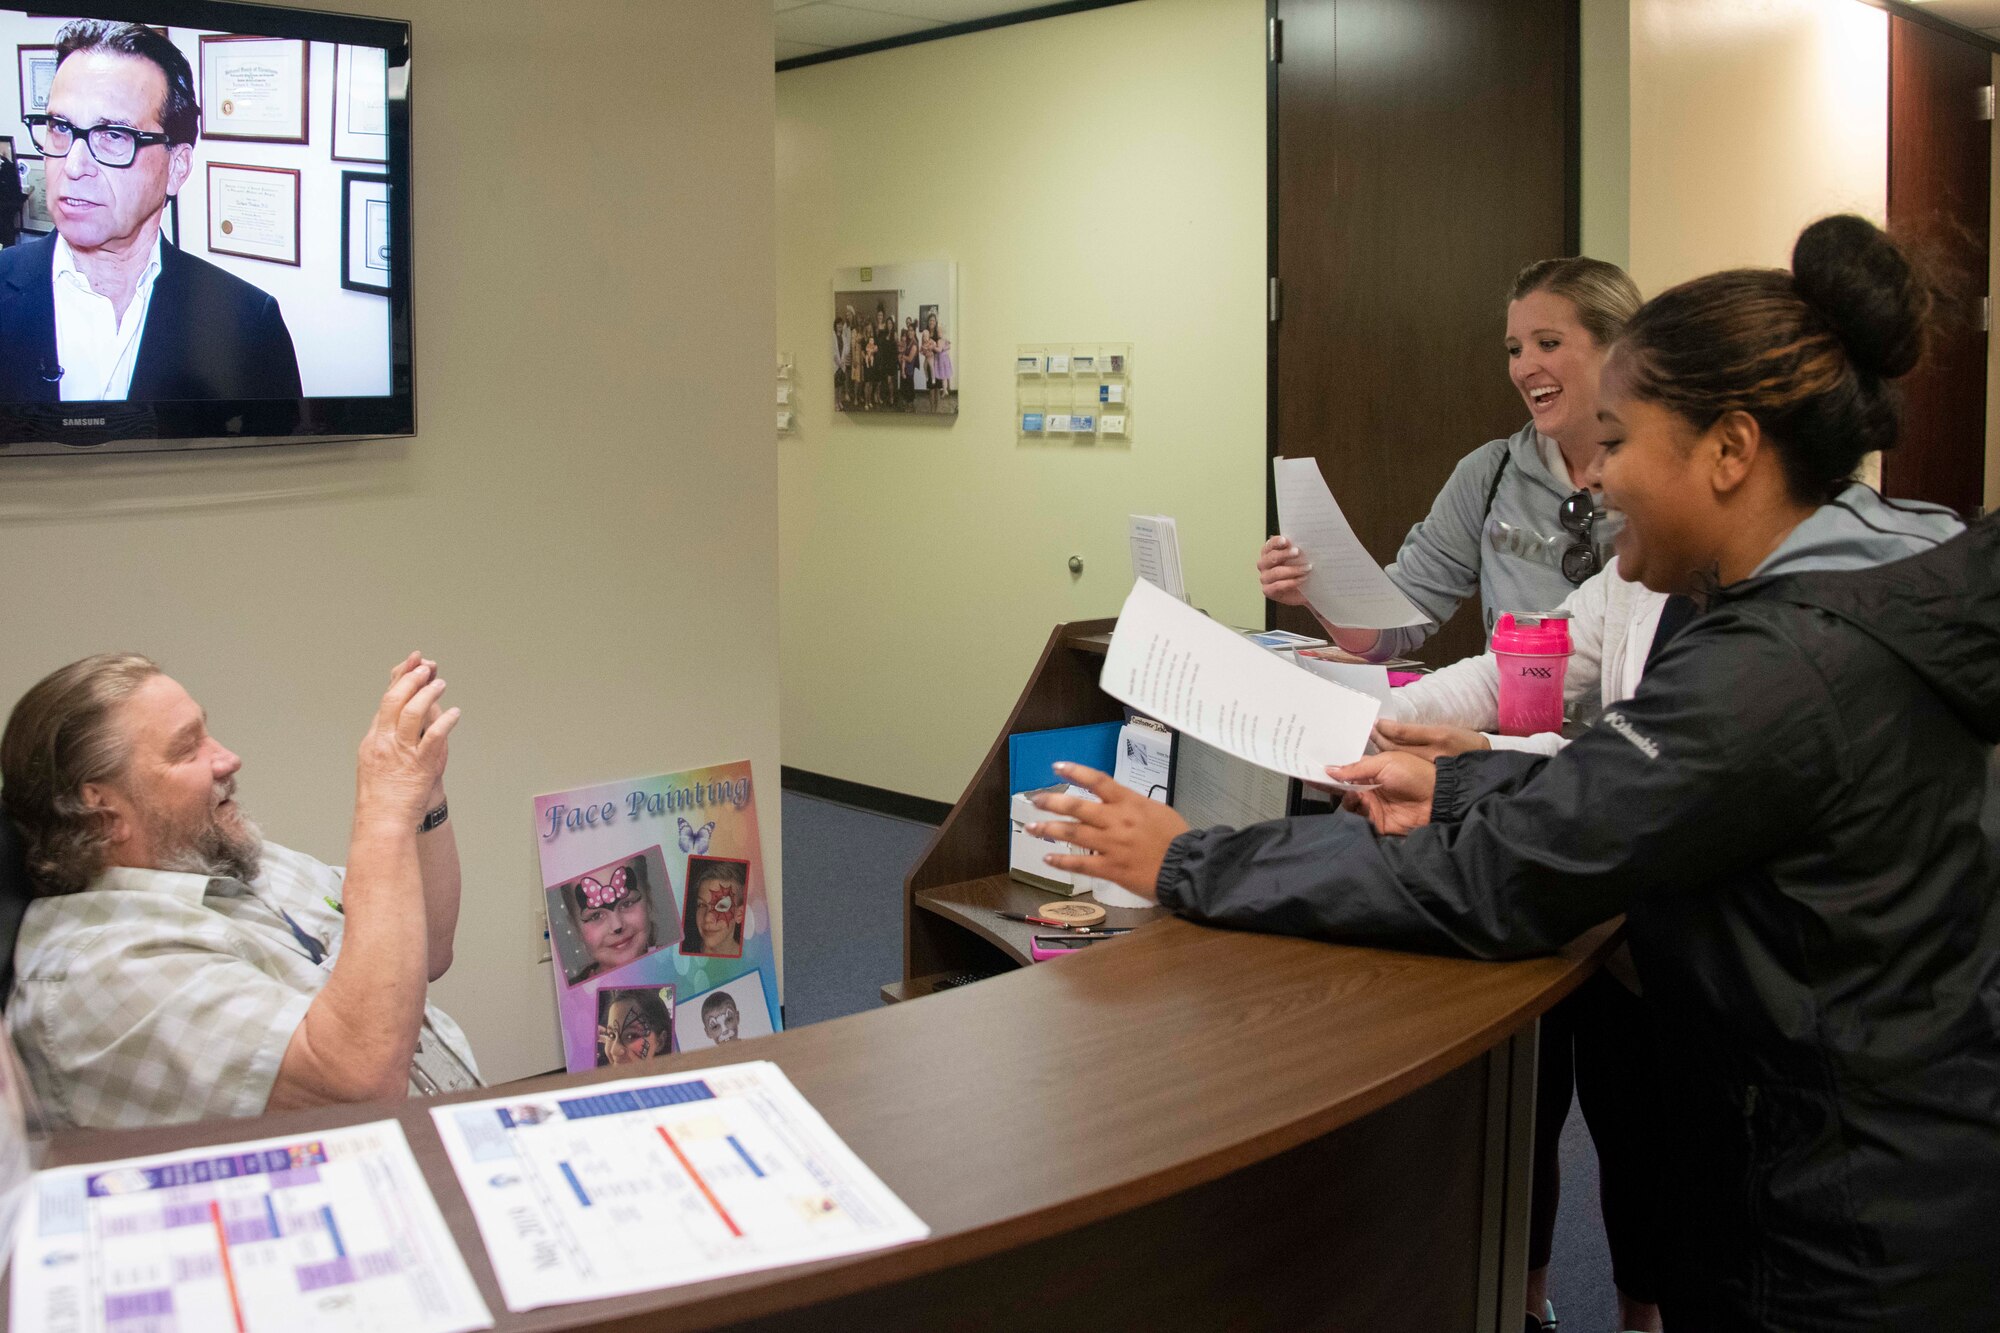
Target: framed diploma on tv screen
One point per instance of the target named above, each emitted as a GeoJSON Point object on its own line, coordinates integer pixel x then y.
{"type": "Point", "coordinates": [282, 314]}
{"type": "Point", "coordinates": [364, 245]}
{"type": "Point", "coordinates": [253, 212]}
{"type": "Point", "coordinates": [254, 88]}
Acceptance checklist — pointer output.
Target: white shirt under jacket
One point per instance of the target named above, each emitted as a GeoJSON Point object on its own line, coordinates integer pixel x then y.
{"type": "Point", "coordinates": [1612, 622]}
{"type": "Point", "coordinates": [96, 349]}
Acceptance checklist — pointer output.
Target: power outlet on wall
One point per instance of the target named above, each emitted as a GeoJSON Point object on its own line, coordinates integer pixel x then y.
{"type": "Point", "coordinates": [541, 928]}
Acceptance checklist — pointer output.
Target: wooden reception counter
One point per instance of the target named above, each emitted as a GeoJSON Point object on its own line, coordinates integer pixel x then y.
{"type": "Point", "coordinates": [1180, 1128]}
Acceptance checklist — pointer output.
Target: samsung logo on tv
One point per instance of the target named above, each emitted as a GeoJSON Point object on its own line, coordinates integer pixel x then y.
{"type": "Point", "coordinates": [83, 421]}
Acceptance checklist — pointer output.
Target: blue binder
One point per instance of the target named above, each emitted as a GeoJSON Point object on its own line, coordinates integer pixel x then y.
{"type": "Point", "coordinates": [1031, 754]}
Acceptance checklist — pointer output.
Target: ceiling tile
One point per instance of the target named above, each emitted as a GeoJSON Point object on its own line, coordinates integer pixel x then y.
{"type": "Point", "coordinates": [1965, 13]}
{"type": "Point", "coordinates": [793, 50]}
{"type": "Point", "coordinates": [844, 25]}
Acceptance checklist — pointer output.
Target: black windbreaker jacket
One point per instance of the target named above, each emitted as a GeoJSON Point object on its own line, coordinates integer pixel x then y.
{"type": "Point", "coordinates": [1788, 812]}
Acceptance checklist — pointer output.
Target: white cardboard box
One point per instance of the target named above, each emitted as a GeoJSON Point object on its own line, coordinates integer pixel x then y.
{"type": "Point", "coordinates": [1025, 851]}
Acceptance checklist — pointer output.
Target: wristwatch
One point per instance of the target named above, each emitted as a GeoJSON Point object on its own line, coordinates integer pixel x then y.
{"type": "Point", "coordinates": [435, 817]}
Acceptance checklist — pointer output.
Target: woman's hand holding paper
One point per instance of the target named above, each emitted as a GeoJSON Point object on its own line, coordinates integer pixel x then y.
{"type": "Point", "coordinates": [1125, 834]}
{"type": "Point", "coordinates": [1398, 797]}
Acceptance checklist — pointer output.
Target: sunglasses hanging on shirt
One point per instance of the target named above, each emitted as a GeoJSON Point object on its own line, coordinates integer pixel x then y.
{"type": "Point", "coordinates": [1578, 515]}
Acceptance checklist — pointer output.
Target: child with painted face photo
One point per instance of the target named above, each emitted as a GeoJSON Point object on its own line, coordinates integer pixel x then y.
{"type": "Point", "coordinates": [634, 1023]}
{"type": "Point", "coordinates": [720, 1017]}
{"type": "Point", "coordinates": [718, 892]}
{"type": "Point", "coordinates": [611, 911]}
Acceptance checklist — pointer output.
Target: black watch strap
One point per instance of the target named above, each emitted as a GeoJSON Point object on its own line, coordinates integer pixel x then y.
{"type": "Point", "coordinates": [435, 817]}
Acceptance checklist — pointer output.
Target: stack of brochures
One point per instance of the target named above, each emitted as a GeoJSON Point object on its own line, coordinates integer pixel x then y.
{"type": "Point", "coordinates": [1156, 553]}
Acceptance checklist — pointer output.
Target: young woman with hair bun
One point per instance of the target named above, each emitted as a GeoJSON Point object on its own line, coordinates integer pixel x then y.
{"type": "Point", "coordinates": [1788, 813]}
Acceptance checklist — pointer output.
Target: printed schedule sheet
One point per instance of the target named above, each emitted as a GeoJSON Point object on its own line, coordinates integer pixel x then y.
{"type": "Point", "coordinates": [654, 1182]}
{"type": "Point", "coordinates": [328, 1231]}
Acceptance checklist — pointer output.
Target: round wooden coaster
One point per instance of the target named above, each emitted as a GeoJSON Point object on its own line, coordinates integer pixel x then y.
{"type": "Point", "coordinates": [1072, 913]}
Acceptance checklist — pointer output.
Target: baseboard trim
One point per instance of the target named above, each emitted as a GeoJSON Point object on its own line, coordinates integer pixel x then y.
{"type": "Point", "coordinates": [877, 800]}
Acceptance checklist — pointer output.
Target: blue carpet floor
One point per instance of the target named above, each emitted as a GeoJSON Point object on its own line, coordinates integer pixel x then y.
{"type": "Point", "coordinates": [844, 873]}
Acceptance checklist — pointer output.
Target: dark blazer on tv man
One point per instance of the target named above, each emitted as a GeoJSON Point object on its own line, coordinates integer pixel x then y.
{"type": "Point", "coordinates": [208, 333]}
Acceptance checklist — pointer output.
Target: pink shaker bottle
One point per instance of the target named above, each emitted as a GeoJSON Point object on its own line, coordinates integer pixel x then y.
{"type": "Point", "coordinates": [1533, 653]}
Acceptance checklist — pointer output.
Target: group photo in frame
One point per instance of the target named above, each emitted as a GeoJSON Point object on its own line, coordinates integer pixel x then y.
{"type": "Point", "coordinates": [365, 249]}
{"type": "Point", "coordinates": [895, 331]}
{"type": "Point", "coordinates": [253, 89]}
{"type": "Point", "coordinates": [253, 212]}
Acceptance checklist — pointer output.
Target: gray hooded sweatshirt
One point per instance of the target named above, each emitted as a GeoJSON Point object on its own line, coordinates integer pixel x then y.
{"type": "Point", "coordinates": [1509, 552]}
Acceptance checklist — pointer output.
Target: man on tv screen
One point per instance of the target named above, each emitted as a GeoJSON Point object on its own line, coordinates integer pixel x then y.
{"type": "Point", "coordinates": [104, 309]}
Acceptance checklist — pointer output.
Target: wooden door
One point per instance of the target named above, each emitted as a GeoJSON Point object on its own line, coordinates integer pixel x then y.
{"type": "Point", "coordinates": [1940, 163]}
{"type": "Point", "coordinates": [1423, 152]}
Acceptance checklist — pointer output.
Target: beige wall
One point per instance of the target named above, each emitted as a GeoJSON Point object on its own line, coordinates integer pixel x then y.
{"type": "Point", "coordinates": [1749, 120]}
{"type": "Point", "coordinates": [583, 532]}
{"type": "Point", "coordinates": [1605, 201]}
{"type": "Point", "coordinates": [1097, 176]}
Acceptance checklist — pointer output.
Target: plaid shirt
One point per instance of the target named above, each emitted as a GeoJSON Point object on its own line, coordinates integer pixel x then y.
{"type": "Point", "coordinates": [153, 997]}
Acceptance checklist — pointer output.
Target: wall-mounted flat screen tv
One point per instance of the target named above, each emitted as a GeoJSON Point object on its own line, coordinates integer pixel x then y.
{"type": "Point", "coordinates": [204, 227]}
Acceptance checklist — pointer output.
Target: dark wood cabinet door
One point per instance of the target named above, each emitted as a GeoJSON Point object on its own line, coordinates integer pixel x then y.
{"type": "Point", "coordinates": [1424, 151]}
{"type": "Point", "coordinates": [1940, 164]}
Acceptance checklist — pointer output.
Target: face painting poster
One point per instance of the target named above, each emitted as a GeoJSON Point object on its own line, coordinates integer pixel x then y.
{"type": "Point", "coordinates": [654, 889]}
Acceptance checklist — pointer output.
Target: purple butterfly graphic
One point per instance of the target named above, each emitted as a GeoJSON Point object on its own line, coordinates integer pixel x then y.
{"type": "Point", "coordinates": [695, 840]}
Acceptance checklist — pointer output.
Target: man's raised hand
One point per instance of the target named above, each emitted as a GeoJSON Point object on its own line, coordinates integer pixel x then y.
{"type": "Point", "coordinates": [403, 754]}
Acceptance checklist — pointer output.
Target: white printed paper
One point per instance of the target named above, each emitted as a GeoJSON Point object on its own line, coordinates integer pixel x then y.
{"type": "Point", "coordinates": [1145, 760]}
{"type": "Point", "coordinates": [1212, 787]}
{"type": "Point", "coordinates": [1346, 586]}
{"type": "Point", "coordinates": [583, 1193]}
{"type": "Point", "coordinates": [1156, 552]}
{"type": "Point", "coordinates": [327, 1231]}
{"type": "Point", "coordinates": [1171, 662]}
{"type": "Point", "coordinates": [1366, 677]}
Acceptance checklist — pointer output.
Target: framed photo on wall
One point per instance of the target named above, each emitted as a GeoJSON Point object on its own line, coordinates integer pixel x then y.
{"type": "Point", "coordinates": [254, 89]}
{"type": "Point", "coordinates": [894, 330]}
{"type": "Point", "coordinates": [253, 212]}
{"type": "Point", "coordinates": [365, 252]}
{"type": "Point", "coordinates": [360, 104]}
{"type": "Point", "coordinates": [37, 71]}
{"type": "Point", "coordinates": [35, 215]}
